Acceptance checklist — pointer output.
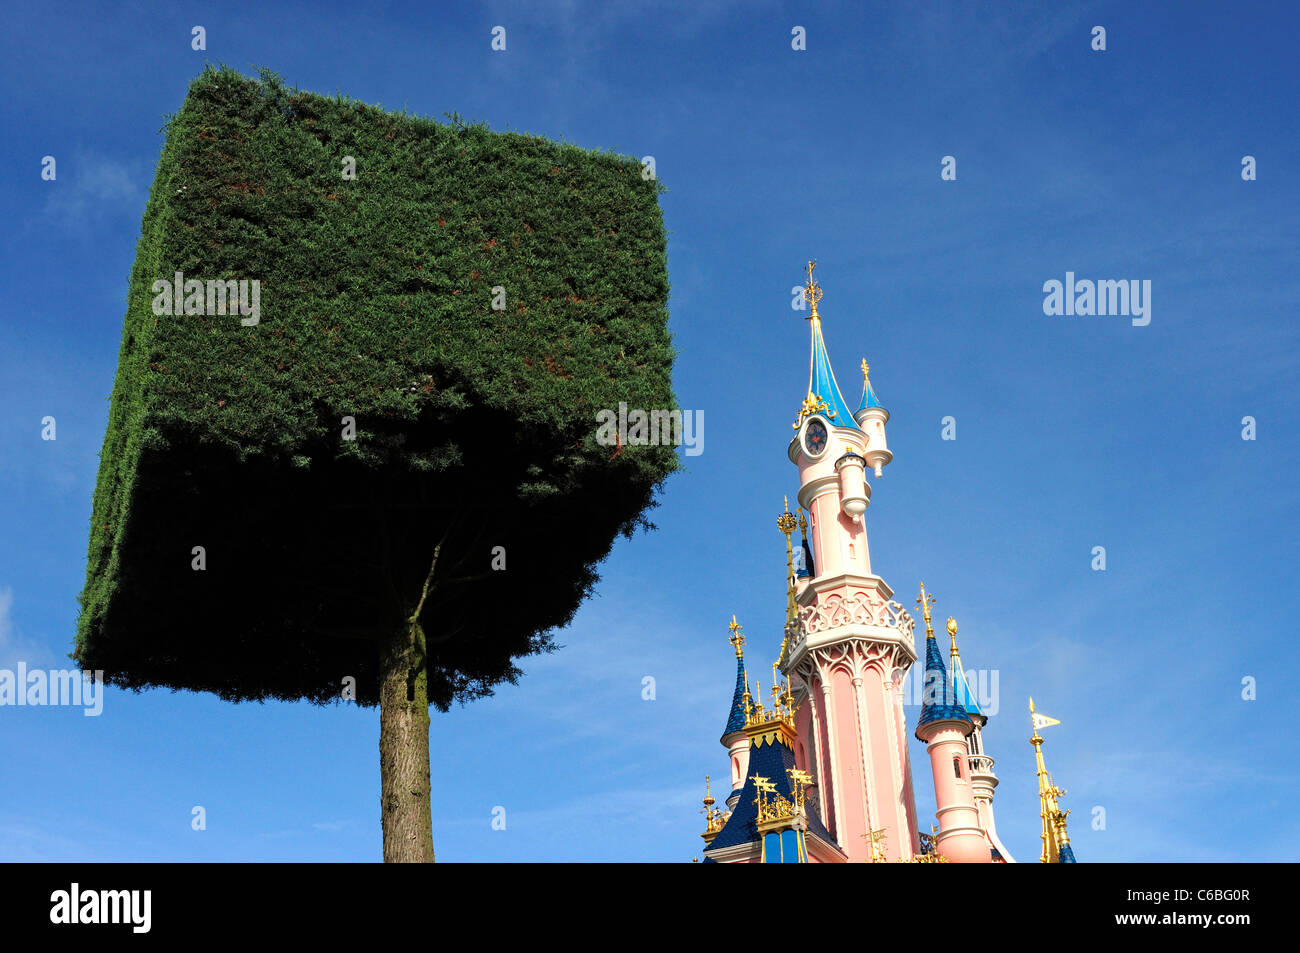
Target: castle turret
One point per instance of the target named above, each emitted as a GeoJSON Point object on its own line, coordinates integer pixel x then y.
{"type": "Point", "coordinates": [733, 735]}
{"type": "Point", "coordinates": [944, 726]}
{"type": "Point", "coordinates": [872, 417]}
{"type": "Point", "coordinates": [853, 644]}
{"type": "Point", "coordinates": [775, 821]}
{"type": "Point", "coordinates": [983, 780]}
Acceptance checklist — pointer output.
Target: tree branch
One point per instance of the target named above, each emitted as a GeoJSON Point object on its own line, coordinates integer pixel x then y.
{"type": "Point", "coordinates": [433, 567]}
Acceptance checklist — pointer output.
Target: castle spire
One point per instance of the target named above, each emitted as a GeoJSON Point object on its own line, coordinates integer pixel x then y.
{"type": "Point", "coordinates": [869, 398]}
{"type": "Point", "coordinates": [786, 524]}
{"type": "Point", "coordinates": [824, 395]}
{"type": "Point", "coordinates": [944, 727]}
{"type": "Point", "coordinates": [1055, 837]}
{"type": "Point", "coordinates": [940, 703]}
{"type": "Point", "coordinates": [736, 718]}
{"type": "Point", "coordinates": [965, 697]}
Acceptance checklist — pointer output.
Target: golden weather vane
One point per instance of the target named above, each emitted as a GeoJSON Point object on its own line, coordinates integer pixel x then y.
{"type": "Point", "coordinates": [925, 601]}
{"type": "Point", "coordinates": [812, 291]}
{"type": "Point", "coordinates": [737, 637]}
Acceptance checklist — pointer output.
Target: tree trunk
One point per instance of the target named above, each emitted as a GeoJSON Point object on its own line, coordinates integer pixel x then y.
{"type": "Point", "coordinates": [404, 748]}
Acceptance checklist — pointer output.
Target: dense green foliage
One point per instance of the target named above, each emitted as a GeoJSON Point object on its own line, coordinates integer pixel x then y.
{"type": "Point", "coordinates": [474, 426]}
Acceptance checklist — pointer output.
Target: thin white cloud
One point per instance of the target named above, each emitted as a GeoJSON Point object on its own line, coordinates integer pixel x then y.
{"type": "Point", "coordinates": [14, 648]}
{"type": "Point", "coordinates": [90, 188]}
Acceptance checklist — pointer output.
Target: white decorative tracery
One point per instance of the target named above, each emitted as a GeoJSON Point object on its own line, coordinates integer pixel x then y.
{"type": "Point", "coordinates": [859, 608]}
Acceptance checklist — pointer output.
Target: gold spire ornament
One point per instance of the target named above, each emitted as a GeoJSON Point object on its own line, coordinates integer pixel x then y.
{"type": "Point", "coordinates": [714, 820]}
{"type": "Point", "coordinates": [777, 719]}
{"type": "Point", "coordinates": [812, 292]}
{"type": "Point", "coordinates": [925, 601]}
{"type": "Point", "coordinates": [1054, 835]}
{"type": "Point", "coordinates": [778, 811]}
{"type": "Point", "coordinates": [952, 634]}
{"type": "Point", "coordinates": [737, 637]}
{"type": "Point", "coordinates": [786, 523]}
{"type": "Point", "coordinates": [866, 368]}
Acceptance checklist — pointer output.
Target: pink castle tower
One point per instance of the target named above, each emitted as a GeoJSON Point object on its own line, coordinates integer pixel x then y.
{"type": "Point", "coordinates": [853, 645]}
{"type": "Point", "coordinates": [944, 726]}
{"type": "Point", "coordinates": [983, 780]}
{"type": "Point", "coordinates": [824, 775]}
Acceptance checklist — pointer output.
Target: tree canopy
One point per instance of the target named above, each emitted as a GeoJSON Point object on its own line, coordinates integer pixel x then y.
{"type": "Point", "coordinates": [470, 299]}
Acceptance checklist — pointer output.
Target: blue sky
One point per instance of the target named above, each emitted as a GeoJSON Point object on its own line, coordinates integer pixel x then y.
{"type": "Point", "coordinates": [1072, 432]}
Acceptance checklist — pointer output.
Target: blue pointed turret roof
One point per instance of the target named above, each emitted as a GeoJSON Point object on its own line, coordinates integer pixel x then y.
{"type": "Point", "coordinates": [941, 701]}
{"type": "Point", "coordinates": [940, 704]}
{"type": "Point", "coordinates": [823, 391]}
{"type": "Point", "coordinates": [736, 720]}
{"type": "Point", "coordinates": [965, 697]}
{"type": "Point", "coordinates": [1066, 856]}
{"type": "Point", "coordinates": [822, 387]}
{"type": "Point", "coordinates": [869, 398]}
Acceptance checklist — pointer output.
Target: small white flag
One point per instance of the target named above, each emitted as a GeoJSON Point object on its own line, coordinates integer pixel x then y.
{"type": "Point", "coordinates": [1042, 721]}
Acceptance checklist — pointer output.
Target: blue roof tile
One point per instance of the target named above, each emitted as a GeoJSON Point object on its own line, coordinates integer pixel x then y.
{"type": "Point", "coordinates": [771, 760]}
{"type": "Point", "coordinates": [937, 692]}
{"type": "Point", "coordinates": [736, 720]}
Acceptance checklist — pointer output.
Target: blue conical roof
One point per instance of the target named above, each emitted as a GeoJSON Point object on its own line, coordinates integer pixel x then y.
{"type": "Point", "coordinates": [736, 720]}
{"type": "Point", "coordinates": [869, 398]}
{"type": "Point", "coordinates": [821, 381]}
{"type": "Point", "coordinates": [941, 701]}
{"type": "Point", "coordinates": [965, 697]}
{"type": "Point", "coordinates": [1066, 856]}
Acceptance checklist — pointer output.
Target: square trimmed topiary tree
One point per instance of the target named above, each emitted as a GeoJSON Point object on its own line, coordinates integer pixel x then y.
{"type": "Point", "coordinates": [351, 450]}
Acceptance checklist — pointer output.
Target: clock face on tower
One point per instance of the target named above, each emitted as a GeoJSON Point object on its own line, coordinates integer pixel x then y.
{"type": "Point", "coordinates": [814, 438]}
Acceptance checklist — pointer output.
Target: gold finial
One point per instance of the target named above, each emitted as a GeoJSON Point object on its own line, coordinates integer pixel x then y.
{"type": "Point", "coordinates": [786, 522]}
{"type": "Point", "coordinates": [714, 818]}
{"type": "Point", "coordinates": [812, 291]}
{"type": "Point", "coordinates": [737, 638]}
{"type": "Point", "coordinates": [1055, 835]}
{"type": "Point", "coordinates": [925, 601]}
{"type": "Point", "coordinates": [866, 368]}
{"type": "Point", "coordinates": [952, 634]}
{"type": "Point", "coordinates": [803, 523]}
